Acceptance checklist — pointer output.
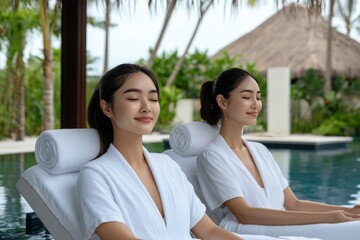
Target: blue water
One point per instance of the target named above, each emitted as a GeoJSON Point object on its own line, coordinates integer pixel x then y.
{"type": "Point", "coordinates": [331, 176]}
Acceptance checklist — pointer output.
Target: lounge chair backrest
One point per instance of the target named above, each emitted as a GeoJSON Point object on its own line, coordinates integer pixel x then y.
{"type": "Point", "coordinates": [187, 140]}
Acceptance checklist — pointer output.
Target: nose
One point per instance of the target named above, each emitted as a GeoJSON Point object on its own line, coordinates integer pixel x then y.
{"type": "Point", "coordinates": [145, 106]}
{"type": "Point", "coordinates": [256, 104]}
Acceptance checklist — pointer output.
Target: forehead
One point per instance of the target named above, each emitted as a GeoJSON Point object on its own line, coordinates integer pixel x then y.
{"type": "Point", "coordinates": [248, 83]}
{"type": "Point", "coordinates": [138, 80]}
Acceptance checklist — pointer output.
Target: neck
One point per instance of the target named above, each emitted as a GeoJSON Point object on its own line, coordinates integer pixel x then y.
{"type": "Point", "coordinates": [232, 134]}
{"type": "Point", "coordinates": [130, 146]}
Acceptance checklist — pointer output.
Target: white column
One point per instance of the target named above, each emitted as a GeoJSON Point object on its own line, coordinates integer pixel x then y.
{"type": "Point", "coordinates": [278, 101]}
{"type": "Point", "coordinates": [184, 110]}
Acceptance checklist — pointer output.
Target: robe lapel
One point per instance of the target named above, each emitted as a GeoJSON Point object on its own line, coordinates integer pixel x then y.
{"type": "Point", "coordinates": [151, 208]}
{"type": "Point", "coordinates": [168, 195]}
{"type": "Point", "coordinates": [235, 159]}
{"type": "Point", "coordinates": [269, 178]}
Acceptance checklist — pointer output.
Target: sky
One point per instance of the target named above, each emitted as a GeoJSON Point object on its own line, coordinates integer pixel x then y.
{"type": "Point", "coordinates": [134, 34]}
{"type": "Point", "coordinates": [137, 30]}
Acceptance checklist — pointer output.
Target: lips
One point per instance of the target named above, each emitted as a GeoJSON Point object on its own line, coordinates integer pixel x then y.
{"type": "Point", "coordinates": [144, 119]}
{"type": "Point", "coordinates": [253, 114]}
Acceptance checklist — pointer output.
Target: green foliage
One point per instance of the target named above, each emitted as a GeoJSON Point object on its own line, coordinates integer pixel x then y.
{"type": "Point", "coordinates": [330, 114]}
{"type": "Point", "coordinates": [340, 124]}
{"type": "Point", "coordinates": [34, 92]}
{"type": "Point", "coordinates": [169, 95]}
{"type": "Point", "coordinates": [308, 87]}
{"type": "Point", "coordinates": [198, 67]}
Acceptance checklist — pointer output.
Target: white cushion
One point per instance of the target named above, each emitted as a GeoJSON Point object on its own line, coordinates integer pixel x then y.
{"type": "Point", "coordinates": [191, 138]}
{"type": "Point", "coordinates": [66, 150]}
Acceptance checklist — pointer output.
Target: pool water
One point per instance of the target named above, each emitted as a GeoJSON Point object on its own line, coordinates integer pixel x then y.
{"type": "Point", "coordinates": [331, 176]}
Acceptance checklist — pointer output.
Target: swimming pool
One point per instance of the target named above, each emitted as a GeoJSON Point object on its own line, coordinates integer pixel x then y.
{"type": "Point", "coordinates": [331, 176]}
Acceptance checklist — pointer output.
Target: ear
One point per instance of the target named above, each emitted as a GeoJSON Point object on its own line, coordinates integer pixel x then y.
{"type": "Point", "coordinates": [105, 107]}
{"type": "Point", "coordinates": [221, 101]}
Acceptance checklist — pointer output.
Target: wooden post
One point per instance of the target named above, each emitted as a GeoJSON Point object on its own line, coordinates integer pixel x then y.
{"type": "Point", "coordinates": [73, 64]}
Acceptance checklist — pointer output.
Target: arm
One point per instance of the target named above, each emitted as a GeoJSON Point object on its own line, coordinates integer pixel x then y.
{"type": "Point", "coordinates": [295, 204]}
{"type": "Point", "coordinates": [263, 216]}
{"type": "Point", "coordinates": [114, 230]}
{"type": "Point", "coordinates": [208, 230]}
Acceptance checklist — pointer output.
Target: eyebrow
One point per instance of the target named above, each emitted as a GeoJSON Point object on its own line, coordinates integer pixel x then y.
{"type": "Point", "coordinates": [249, 91]}
{"type": "Point", "coordinates": [136, 90]}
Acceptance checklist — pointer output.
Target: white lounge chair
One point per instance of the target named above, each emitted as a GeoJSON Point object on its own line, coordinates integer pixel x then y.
{"type": "Point", "coordinates": [49, 186]}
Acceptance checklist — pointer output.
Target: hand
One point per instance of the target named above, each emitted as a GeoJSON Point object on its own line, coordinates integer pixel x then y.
{"type": "Point", "coordinates": [343, 216]}
{"type": "Point", "coordinates": [355, 209]}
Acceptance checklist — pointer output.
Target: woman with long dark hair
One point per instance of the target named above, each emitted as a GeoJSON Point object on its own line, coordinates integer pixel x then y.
{"type": "Point", "coordinates": [241, 181]}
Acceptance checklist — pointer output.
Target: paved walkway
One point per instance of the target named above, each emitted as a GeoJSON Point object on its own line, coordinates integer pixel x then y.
{"type": "Point", "coordinates": [9, 146]}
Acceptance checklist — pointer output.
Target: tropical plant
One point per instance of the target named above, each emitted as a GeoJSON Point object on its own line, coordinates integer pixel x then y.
{"type": "Point", "coordinates": [15, 23]}
{"type": "Point", "coordinates": [347, 10]}
{"type": "Point", "coordinates": [50, 26]}
{"type": "Point", "coordinates": [204, 6]}
{"type": "Point", "coordinates": [169, 11]}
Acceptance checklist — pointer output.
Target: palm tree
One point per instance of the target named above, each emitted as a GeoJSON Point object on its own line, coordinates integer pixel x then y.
{"type": "Point", "coordinates": [327, 74]}
{"type": "Point", "coordinates": [346, 13]}
{"type": "Point", "coordinates": [48, 17]}
{"type": "Point", "coordinates": [204, 6]}
{"type": "Point", "coordinates": [15, 23]}
{"type": "Point", "coordinates": [169, 10]}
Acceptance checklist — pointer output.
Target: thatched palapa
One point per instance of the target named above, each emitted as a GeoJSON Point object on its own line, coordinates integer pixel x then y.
{"type": "Point", "coordinates": [296, 38]}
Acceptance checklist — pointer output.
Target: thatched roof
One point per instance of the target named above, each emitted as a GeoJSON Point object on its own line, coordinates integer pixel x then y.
{"type": "Point", "coordinates": [296, 38]}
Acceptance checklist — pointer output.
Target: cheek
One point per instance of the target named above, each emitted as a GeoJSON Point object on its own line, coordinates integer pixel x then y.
{"type": "Point", "coordinates": [156, 110]}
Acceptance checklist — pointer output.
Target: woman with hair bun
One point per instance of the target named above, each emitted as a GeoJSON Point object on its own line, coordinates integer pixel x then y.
{"type": "Point", "coordinates": [241, 181]}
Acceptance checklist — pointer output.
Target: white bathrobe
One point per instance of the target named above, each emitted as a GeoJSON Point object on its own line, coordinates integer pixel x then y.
{"type": "Point", "coordinates": [109, 190]}
{"type": "Point", "coordinates": [222, 176]}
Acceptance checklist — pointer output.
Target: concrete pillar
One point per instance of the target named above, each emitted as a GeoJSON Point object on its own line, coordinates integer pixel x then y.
{"type": "Point", "coordinates": [184, 110]}
{"type": "Point", "coordinates": [278, 101]}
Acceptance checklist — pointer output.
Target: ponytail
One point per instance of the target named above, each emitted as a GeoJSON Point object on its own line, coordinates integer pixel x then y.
{"type": "Point", "coordinates": [98, 120]}
{"type": "Point", "coordinates": [209, 111]}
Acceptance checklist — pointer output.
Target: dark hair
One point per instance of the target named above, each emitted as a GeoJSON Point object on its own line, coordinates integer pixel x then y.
{"type": "Point", "coordinates": [105, 89]}
{"type": "Point", "coordinates": [224, 84]}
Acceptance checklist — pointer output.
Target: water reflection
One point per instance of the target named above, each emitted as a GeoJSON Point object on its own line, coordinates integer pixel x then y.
{"type": "Point", "coordinates": [12, 205]}
{"type": "Point", "coordinates": [329, 176]}
{"type": "Point", "coordinates": [325, 176]}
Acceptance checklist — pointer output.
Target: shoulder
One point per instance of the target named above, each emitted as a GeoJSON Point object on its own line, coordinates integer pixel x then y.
{"type": "Point", "coordinates": [214, 148]}
{"type": "Point", "coordinates": [95, 167]}
{"type": "Point", "coordinates": [211, 154]}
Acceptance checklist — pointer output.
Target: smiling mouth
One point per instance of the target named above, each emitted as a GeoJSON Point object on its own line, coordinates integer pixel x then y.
{"type": "Point", "coordinates": [253, 114]}
{"type": "Point", "coordinates": [144, 119]}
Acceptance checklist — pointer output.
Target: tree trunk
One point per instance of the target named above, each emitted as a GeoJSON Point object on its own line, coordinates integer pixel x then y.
{"type": "Point", "coordinates": [107, 26]}
{"type": "Point", "coordinates": [47, 69]}
{"type": "Point", "coordinates": [48, 90]}
{"type": "Point", "coordinates": [9, 99]}
{"type": "Point", "coordinates": [327, 74]}
{"type": "Point", "coordinates": [20, 95]}
{"type": "Point", "coordinates": [163, 29]}
{"type": "Point", "coordinates": [180, 62]}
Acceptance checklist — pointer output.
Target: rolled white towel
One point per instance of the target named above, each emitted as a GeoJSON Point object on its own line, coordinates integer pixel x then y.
{"type": "Point", "coordinates": [66, 150]}
{"type": "Point", "coordinates": [191, 138]}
